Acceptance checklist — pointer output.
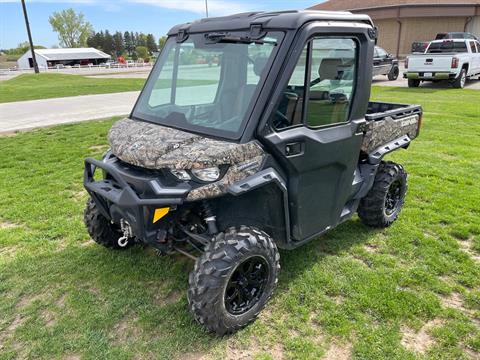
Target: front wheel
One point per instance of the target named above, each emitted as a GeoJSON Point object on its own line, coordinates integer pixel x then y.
{"type": "Point", "coordinates": [393, 74]}
{"type": "Point", "coordinates": [381, 206]}
{"type": "Point", "coordinates": [100, 229]}
{"type": "Point", "coordinates": [233, 279]}
{"type": "Point", "coordinates": [413, 83]}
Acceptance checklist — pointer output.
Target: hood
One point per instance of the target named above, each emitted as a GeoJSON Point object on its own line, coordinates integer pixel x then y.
{"type": "Point", "coordinates": [155, 146]}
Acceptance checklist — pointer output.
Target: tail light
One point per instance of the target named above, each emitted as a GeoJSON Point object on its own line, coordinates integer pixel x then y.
{"type": "Point", "coordinates": [419, 125]}
{"type": "Point", "coordinates": [406, 63]}
{"type": "Point", "coordinates": [454, 62]}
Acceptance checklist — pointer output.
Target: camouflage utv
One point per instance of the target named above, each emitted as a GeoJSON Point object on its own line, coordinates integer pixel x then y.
{"type": "Point", "coordinates": [253, 132]}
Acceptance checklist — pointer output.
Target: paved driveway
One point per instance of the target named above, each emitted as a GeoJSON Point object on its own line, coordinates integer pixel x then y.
{"type": "Point", "coordinates": [25, 115]}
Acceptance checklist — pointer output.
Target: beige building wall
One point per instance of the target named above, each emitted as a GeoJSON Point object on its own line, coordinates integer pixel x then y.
{"type": "Point", "coordinates": [474, 26]}
{"type": "Point", "coordinates": [388, 34]}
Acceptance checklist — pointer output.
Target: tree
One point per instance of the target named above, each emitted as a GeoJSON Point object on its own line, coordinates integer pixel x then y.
{"type": "Point", "coordinates": [141, 39]}
{"type": "Point", "coordinates": [142, 52]}
{"type": "Point", "coordinates": [129, 45]}
{"type": "Point", "coordinates": [161, 42]}
{"type": "Point", "coordinates": [71, 27]}
{"type": "Point", "coordinates": [151, 44]}
{"type": "Point", "coordinates": [118, 44]}
{"type": "Point", "coordinates": [108, 43]}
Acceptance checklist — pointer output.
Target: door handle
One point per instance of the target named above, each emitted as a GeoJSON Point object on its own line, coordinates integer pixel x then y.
{"type": "Point", "coordinates": [294, 148]}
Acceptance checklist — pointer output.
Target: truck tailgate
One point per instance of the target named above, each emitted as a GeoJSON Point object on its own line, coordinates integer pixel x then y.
{"type": "Point", "coordinates": [430, 63]}
{"type": "Point", "coordinates": [388, 122]}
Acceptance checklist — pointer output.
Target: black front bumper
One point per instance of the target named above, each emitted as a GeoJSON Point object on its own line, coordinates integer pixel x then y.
{"type": "Point", "coordinates": [127, 193]}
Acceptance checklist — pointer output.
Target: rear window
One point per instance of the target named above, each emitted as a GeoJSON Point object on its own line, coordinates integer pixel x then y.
{"type": "Point", "coordinates": [447, 47]}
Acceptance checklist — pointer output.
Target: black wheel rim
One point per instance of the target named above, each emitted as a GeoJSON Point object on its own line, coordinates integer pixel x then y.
{"type": "Point", "coordinates": [246, 285]}
{"type": "Point", "coordinates": [393, 197]}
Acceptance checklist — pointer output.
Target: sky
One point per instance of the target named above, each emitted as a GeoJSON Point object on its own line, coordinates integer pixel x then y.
{"type": "Point", "coordinates": [148, 16]}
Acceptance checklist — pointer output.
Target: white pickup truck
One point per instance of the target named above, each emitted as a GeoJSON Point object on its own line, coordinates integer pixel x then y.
{"type": "Point", "coordinates": [453, 60]}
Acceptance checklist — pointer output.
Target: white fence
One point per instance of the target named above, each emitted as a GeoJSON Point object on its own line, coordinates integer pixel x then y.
{"type": "Point", "coordinates": [80, 69]}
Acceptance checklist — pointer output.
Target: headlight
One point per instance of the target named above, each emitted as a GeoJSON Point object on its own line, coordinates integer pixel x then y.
{"type": "Point", "coordinates": [207, 175]}
{"type": "Point", "coordinates": [181, 175]}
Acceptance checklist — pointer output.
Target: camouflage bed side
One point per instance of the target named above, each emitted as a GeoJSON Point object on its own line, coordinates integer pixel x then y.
{"type": "Point", "coordinates": [382, 132]}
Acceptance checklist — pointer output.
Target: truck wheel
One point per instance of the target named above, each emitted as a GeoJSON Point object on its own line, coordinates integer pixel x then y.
{"type": "Point", "coordinates": [381, 206]}
{"type": "Point", "coordinates": [393, 74]}
{"type": "Point", "coordinates": [233, 279]}
{"type": "Point", "coordinates": [413, 83]}
{"type": "Point", "coordinates": [100, 229]}
{"type": "Point", "coordinates": [459, 82]}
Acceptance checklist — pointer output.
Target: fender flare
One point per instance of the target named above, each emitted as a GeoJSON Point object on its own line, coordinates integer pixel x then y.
{"type": "Point", "coordinates": [262, 178]}
{"type": "Point", "coordinates": [376, 156]}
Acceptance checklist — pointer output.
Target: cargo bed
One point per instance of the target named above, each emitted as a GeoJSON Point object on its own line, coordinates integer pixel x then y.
{"type": "Point", "coordinates": [390, 126]}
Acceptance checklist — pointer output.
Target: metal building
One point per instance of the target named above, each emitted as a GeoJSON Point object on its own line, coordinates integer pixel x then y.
{"type": "Point", "coordinates": [67, 57]}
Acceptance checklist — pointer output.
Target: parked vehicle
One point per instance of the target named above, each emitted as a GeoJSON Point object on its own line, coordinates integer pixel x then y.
{"type": "Point", "coordinates": [454, 60]}
{"type": "Point", "coordinates": [269, 153]}
{"type": "Point", "coordinates": [421, 46]}
{"type": "Point", "coordinates": [385, 64]}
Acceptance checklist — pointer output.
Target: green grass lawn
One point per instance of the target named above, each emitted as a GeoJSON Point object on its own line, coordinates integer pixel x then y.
{"type": "Point", "coordinates": [45, 86]}
{"type": "Point", "coordinates": [406, 292]}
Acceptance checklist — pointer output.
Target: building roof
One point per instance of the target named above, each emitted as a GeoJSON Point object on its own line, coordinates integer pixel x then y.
{"type": "Point", "coordinates": [71, 54]}
{"type": "Point", "coordinates": [369, 4]}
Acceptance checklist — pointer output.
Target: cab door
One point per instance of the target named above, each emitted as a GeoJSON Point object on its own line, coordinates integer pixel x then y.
{"type": "Point", "coordinates": [317, 129]}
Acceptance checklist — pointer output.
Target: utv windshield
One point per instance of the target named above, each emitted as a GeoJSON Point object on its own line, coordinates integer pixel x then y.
{"type": "Point", "coordinates": [207, 83]}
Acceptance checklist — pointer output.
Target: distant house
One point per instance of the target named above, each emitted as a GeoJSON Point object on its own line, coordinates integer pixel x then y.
{"type": "Point", "coordinates": [67, 56]}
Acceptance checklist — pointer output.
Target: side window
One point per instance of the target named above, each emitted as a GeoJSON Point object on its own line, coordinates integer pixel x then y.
{"type": "Point", "coordinates": [333, 74]}
{"type": "Point", "coordinates": [382, 53]}
{"type": "Point", "coordinates": [289, 111]}
{"type": "Point", "coordinates": [472, 47]}
{"type": "Point", "coordinates": [478, 46]}
{"type": "Point", "coordinates": [328, 88]}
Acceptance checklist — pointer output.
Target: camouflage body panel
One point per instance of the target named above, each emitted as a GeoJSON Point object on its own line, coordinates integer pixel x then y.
{"type": "Point", "coordinates": [382, 132]}
{"type": "Point", "coordinates": [234, 173]}
{"type": "Point", "coordinates": [154, 146]}
{"type": "Point", "coordinates": [158, 147]}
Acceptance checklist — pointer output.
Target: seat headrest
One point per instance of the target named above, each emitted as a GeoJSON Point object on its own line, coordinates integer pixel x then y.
{"type": "Point", "coordinates": [259, 64]}
{"type": "Point", "coordinates": [328, 69]}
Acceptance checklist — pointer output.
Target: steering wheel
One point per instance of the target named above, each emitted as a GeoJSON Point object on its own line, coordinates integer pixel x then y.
{"type": "Point", "coordinates": [280, 121]}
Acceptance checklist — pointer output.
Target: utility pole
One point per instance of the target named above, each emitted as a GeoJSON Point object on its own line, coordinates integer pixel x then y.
{"type": "Point", "coordinates": [34, 59]}
{"type": "Point", "coordinates": [206, 7]}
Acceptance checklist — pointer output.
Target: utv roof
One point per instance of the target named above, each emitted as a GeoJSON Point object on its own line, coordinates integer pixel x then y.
{"type": "Point", "coordinates": [280, 20]}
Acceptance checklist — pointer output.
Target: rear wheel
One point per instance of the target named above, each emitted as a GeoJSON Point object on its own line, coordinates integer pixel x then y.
{"type": "Point", "coordinates": [100, 229]}
{"type": "Point", "coordinates": [233, 279]}
{"type": "Point", "coordinates": [413, 83]}
{"type": "Point", "coordinates": [459, 82]}
{"type": "Point", "coordinates": [381, 206]}
{"type": "Point", "coordinates": [393, 74]}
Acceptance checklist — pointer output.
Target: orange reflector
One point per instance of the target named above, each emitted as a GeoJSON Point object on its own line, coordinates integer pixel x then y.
{"type": "Point", "coordinates": [160, 213]}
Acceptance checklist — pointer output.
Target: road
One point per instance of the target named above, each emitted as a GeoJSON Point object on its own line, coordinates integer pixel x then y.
{"type": "Point", "coordinates": [24, 115]}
